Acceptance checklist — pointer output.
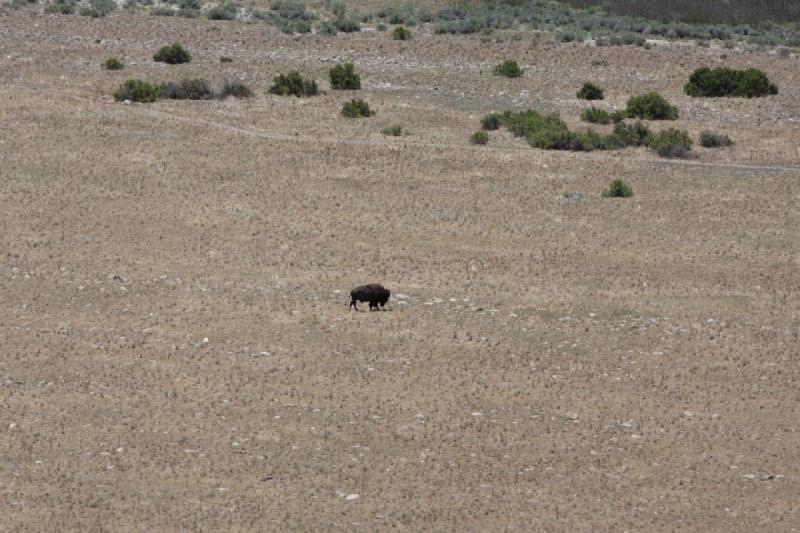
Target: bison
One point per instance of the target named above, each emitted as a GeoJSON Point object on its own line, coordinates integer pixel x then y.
{"type": "Point", "coordinates": [373, 293]}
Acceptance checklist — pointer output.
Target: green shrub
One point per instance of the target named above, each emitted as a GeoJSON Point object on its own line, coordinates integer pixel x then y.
{"type": "Point", "coordinates": [590, 91]}
{"type": "Point", "coordinates": [596, 115]}
{"type": "Point", "coordinates": [347, 25]}
{"type": "Point", "coordinates": [173, 55]}
{"type": "Point", "coordinates": [651, 106]}
{"type": "Point", "coordinates": [226, 11]}
{"type": "Point", "coordinates": [294, 84]}
{"type": "Point", "coordinates": [98, 8]}
{"type": "Point", "coordinates": [162, 12]}
{"type": "Point", "coordinates": [195, 89]}
{"type": "Point", "coordinates": [236, 89]}
{"type": "Point", "coordinates": [188, 13]}
{"type": "Point", "coordinates": [393, 131]}
{"type": "Point", "coordinates": [723, 81]}
{"type": "Point", "coordinates": [509, 69]}
{"type": "Point", "coordinates": [479, 137]}
{"type": "Point", "coordinates": [617, 116]}
{"type": "Point", "coordinates": [636, 134]}
{"type": "Point", "coordinates": [401, 34]}
{"type": "Point", "coordinates": [327, 28]}
{"type": "Point", "coordinates": [490, 122]}
{"type": "Point", "coordinates": [60, 9]}
{"type": "Point", "coordinates": [344, 77]}
{"type": "Point", "coordinates": [568, 36]}
{"type": "Point", "coordinates": [380, 26]}
{"type": "Point", "coordinates": [671, 143]}
{"type": "Point", "coordinates": [710, 139]}
{"type": "Point", "coordinates": [618, 189]}
{"type": "Point", "coordinates": [112, 63]}
{"type": "Point", "coordinates": [356, 108]}
{"type": "Point", "coordinates": [137, 91]}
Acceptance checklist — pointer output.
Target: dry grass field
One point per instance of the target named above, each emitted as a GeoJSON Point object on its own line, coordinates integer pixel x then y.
{"type": "Point", "coordinates": [176, 349]}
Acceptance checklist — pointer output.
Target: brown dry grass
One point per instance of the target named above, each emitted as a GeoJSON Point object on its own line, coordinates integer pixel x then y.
{"type": "Point", "coordinates": [546, 364]}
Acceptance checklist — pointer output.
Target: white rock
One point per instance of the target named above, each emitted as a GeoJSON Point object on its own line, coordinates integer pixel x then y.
{"type": "Point", "coordinates": [351, 497]}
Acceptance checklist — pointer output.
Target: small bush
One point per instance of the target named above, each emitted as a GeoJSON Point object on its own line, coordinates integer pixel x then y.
{"type": "Point", "coordinates": [60, 9]}
{"type": "Point", "coordinates": [196, 89]}
{"type": "Point", "coordinates": [347, 25]}
{"type": "Point", "coordinates": [590, 91]}
{"type": "Point", "coordinates": [98, 8]}
{"type": "Point", "coordinates": [750, 83]}
{"type": "Point", "coordinates": [671, 143]}
{"type": "Point", "coordinates": [380, 26]}
{"type": "Point", "coordinates": [327, 28]}
{"type": "Point", "coordinates": [568, 36]}
{"type": "Point", "coordinates": [294, 84]}
{"type": "Point", "coordinates": [401, 34]}
{"type": "Point", "coordinates": [356, 108]}
{"type": "Point", "coordinates": [596, 115]}
{"type": "Point", "coordinates": [344, 77]}
{"type": "Point", "coordinates": [173, 55]}
{"type": "Point", "coordinates": [112, 63]}
{"type": "Point", "coordinates": [490, 122]}
{"type": "Point", "coordinates": [651, 106]}
{"type": "Point", "coordinates": [222, 12]}
{"type": "Point", "coordinates": [137, 91]}
{"type": "Point", "coordinates": [236, 89]}
{"type": "Point", "coordinates": [162, 12]}
{"type": "Point", "coordinates": [617, 116]}
{"type": "Point", "coordinates": [709, 139]}
{"type": "Point", "coordinates": [393, 131]}
{"type": "Point", "coordinates": [636, 134]}
{"type": "Point", "coordinates": [509, 69]}
{"type": "Point", "coordinates": [618, 189]}
{"type": "Point", "coordinates": [479, 137]}
{"type": "Point", "coordinates": [225, 59]}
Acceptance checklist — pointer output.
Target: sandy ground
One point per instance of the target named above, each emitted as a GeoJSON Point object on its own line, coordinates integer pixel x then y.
{"type": "Point", "coordinates": [177, 351]}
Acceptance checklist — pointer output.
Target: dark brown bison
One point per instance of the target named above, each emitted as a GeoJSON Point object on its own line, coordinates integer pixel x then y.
{"type": "Point", "coordinates": [373, 293]}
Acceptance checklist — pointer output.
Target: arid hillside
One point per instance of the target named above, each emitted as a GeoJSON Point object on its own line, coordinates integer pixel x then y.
{"type": "Point", "coordinates": [177, 350]}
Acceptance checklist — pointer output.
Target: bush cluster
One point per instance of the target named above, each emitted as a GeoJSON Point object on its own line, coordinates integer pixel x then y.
{"type": "Point", "coordinates": [573, 24]}
{"type": "Point", "coordinates": [590, 91]}
{"type": "Point", "coordinates": [749, 83]}
{"type": "Point", "coordinates": [173, 54]}
{"type": "Point", "coordinates": [509, 69]}
{"type": "Point", "coordinates": [293, 84]}
{"type": "Point", "coordinates": [189, 89]}
{"type": "Point", "coordinates": [344, 77]}
{"type": "Point", "coordinates": [651, 106]}
{"type": "Point", "coordinates": [550, 132]}
{"type": "Point", "coordinates": [356, 108]}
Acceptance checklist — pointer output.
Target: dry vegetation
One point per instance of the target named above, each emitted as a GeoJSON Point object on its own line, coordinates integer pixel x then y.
{"type": "Point", "coordinates": [177, 351]}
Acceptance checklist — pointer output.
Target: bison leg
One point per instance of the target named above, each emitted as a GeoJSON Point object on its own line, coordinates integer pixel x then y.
{"type": "Point", "coordinates": [353, 305]}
